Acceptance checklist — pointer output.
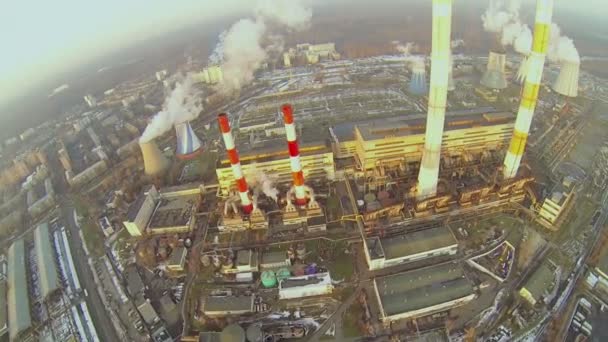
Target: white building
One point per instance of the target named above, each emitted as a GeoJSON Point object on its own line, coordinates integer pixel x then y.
{"type": "Point", "coordinates": [557, 202]}
{"type": "Point", "coordinates": [305, 286]}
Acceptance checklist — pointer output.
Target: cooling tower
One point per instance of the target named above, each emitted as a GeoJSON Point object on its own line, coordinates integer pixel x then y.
{"type": "Point", "coordinates": [418, 80]}
{"type": "Point", "coordinates": [188, 144]}
{"type": "Point", "coordinates": [529, 95]}
{"type": "Point", "coordinates": [155, 163]}
{"type": "Point", "coordinates": [494, 77]}
{"type": "Point", "coordinates": [567, 80]}
{"type": "Point", "coordinates": [440, 62]}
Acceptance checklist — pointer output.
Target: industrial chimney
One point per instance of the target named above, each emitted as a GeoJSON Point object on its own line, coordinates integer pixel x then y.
{"type": "Point", "coordinates": [494, 77]}
{"type": "Point", "coordinates": [536, 63]}
{"type": "Point", "coordinates": [155, 163]}
{"type": "Point", "coordinates": [294, 155]}
{"type": "Point", "coordinates": [233, 155]}
{"type": "Point", "coordinates": [188, 144]}
{"type": "Point", "coordinates": [440, 61]}
{"type": "Point", "coordinates": [418, 79]}
{"type": "Point", "coordinates": [567, 80]}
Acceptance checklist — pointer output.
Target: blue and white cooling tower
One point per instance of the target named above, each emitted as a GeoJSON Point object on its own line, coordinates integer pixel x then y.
{"type": "Point", "coordinates": [188, 144]}
{"type": "Point", "coordinates": [418, 80]}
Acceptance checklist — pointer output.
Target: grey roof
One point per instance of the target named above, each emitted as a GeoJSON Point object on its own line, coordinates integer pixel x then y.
{"type": "Point", "coordinates": [49, 281]}
{"type": "Point", "coordinates": [3, 313]}
{"type": "Point", "coordinates": [418, 289]}
{"type": "Point", "coordinates": [247, 257]}
{"type": "Point", "coordinates": [228, 303]}
{"type": "Point", "coordinates": [135, 206]}
{"type": "Point", "coordinates": [541, 280]}
{"type": "Point", "coordinates": [602, 263]}
{"type": "Point", "coordinates": [417, 242]}
{"type": "Point", "coordinates": [19, 317]}
{"type": "Point", "coordinates": [177, 255]}
{"type": "Point", "coordinates": [134, 283]}
{"type": "Point", "coordinates": [273, 257]}
{"type": "Point", "coordinates": [147, 312]}
{"type": "Point", "coordinates": [209, 336]}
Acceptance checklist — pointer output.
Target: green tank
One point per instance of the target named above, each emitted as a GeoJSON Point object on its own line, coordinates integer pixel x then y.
{"type": "Point", "coordinates": [269, 279]}
{"type": "Point", "coordinates": [283, 273]}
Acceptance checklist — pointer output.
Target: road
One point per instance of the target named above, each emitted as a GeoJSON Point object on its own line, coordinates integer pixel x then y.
{"type": "Point", "coordinates": [99, 315]}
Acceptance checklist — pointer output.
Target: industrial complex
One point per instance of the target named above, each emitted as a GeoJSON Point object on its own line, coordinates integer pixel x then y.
{"type": "Point", "coordinates": [391, 197]}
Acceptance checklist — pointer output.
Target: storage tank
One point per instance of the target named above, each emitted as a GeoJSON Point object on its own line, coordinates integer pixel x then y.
{"type": "Point", "coordinates": [283, 273]}
{"type": "Point", "coordinates": [311, 269]}
{"type": "Point", "coordinates": [269, 279]}
{"type": "Point", "coordinates": [233, 333]}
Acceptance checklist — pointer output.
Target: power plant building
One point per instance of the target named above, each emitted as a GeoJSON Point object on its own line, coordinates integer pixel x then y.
{"type": "Point", "coordinates": [220, 306]}
{"type": "Point", "coordinates": [422, 292]}
{"type": "Point", "coordinates": [556, 203]}
{"type": "Point", "coordinates": [45, 258]}
{"type": "Point", "coordinates": [305, 286]}
{"type": "Point", "coordinates": [168, 212]}
{"type": "Point", "coordinates": [386, 252]}
{"type": "Point", "coordinates": [395, 140]}
{"type": "Point", "coordinates": [19, 316]}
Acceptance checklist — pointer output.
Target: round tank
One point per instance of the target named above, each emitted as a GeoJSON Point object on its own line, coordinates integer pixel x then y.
{"type": "Point", "coordinates": [369, 198]}
{"type": "Point", "coordinates": [269, 279]}
{"type": "Point", "coordinates": [254, 333]}
{"type": "Point", "coordinates": [233, 333]}
{"type": "Point", "coordinates": [311, 269]}
{"type": "Point", "coordinates": [382, 195]}
{"type": "Point", "coordinates": [205, 260]}
{"type": "Point", "coordinates": [283, 273]}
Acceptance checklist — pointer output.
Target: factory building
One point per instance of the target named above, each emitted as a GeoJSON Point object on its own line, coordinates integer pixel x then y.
{"type": "Point", "coordinates": [557, 202]}
{"type": "Point", "coordinates": [167, 212]}
{"type": "Point", "coordinates": [45, 258]}
{"type": "Point", "coordinates": [422, 292]}
{"type": "Point", "coordinates": [177, 260]}
{"type": "Point", "coordinates": [397, 140]}
{"type": "Point", "coordinates": [210, 75]}
{"type": "Point", "coordinates": [597, 278]}
{"type": "Point", "coordinates": [311, 53]}
{"type": "Point", "coordinates": [19, 316]}
{"type": "Point", "coordinates": [540, 283]}
{"type": "Point", "coordinates": [275, 259]}
{"type": "Point", "coordinates": [38, 204]}
{"type": "Point", "coordinates": [271, 157]}
{"type": "Point", "coordinates": [219, 306]}
{"type": "Point", "coordinates": [305, 286]}
{"type": "Point", "coordinates": [247, 261]}
{"type": "Point", "coordinates": [386, 252]}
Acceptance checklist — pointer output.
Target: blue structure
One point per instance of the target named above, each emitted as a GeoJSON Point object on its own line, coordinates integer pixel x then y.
{"type": "Point", "coordinates": [188, 144]}
{"type": "Point", "coordinates": [418, 82]}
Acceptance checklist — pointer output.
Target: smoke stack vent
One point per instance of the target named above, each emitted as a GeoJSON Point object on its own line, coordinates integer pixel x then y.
{"type": "Point", "coordinates": [529, 95]}
{"type": "Point", "coordinates": [567, 80]}
{"type": "Point", "coordinates": [233, 155]}
{"type": "Point", "coordinates": [188, 144]}
{"type": "Point", "coordinates": [440, 62]}
{"type": "Point", "coordinates": [294, 155]}
{"type": "Point", "coordinates": [155, 163]}
{"type": "Point", "coordinates": [418, 80]}
{"type": "Point", "coordinates": [494, 77]}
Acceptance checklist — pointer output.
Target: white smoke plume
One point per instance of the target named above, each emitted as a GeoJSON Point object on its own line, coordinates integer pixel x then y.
{"type": "Point", "coordinates": [181, 105]}
{"type": "Point", "coordinates": [260, 181]}
{"type": "Point", "coordinates": [498, 14]}
{"type": "Point", "coordinates": [561, 48]}
{"type": "Point", "coordinates": [517, 35]}
{"type": "Point", "coordinates": [415, 61]}
{"type": "Point", "coordinates": [247, 44]}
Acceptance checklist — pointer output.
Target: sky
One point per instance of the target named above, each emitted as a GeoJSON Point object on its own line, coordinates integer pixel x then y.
{"type": "Point", "coordinates": [42, 38]}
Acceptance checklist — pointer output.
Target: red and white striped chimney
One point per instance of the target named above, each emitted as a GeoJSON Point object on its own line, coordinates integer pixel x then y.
{"type": "Point", "coordinates": [294, 155]}
{"type": "Point", "coordinates": [233, 155]}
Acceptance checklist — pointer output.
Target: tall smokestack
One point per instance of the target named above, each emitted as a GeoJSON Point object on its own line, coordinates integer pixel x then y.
{"type": "Point", "coordinates": [418, 80]}
{"type": "Point", "coordinates": [567, 80]}
{"type": "Point", "coordinates": [536, 63]}
{"type": "Point", "coordinates": [233, 155]}
{"type": "Point", "coordinates": [494, 77]}
{"type": "Point", "coordinates": [440, 61]}
{"type": "Point", "coordinates": [294, 155]}
{"type": "Point", "coordinates": [155, 163]}
{"type": "Point", "coordinates": [188, 144]}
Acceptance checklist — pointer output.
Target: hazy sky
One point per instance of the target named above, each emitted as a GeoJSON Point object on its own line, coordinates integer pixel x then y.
{"type": "Point", "coordinates": [40, 38]}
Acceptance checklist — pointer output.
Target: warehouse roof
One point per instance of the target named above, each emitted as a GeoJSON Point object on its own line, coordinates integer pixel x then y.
{"type": "Point", "coordinates": [306, 280]}
{"type": "Point", "coordinates": [49, 281]}
{"type": "Point", "coordinates": [412, 243]}
{"type": "Point", "coordinates": [273, 257]}
{"type": "Point", "coordinates": [214, 304]}
{"type": "Point", "coordinates": [147, 312]}
{"type": "Point", "coordinates": [134, 283]}
{"type": "Point", "coordinates": [541, 280]}
{"type": "Point", "coordinates": [17, 296]}
{"type": "Point", "coordinates": [414, 290]}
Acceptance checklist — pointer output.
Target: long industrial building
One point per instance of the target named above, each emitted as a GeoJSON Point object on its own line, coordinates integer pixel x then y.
{"type": "Point", "coordinates": [422, 292]}
{"type": "Point", "coordinates": [386, 252]}
{"type": "Point", "coordinates": [398, 140]}
{"type": "Point", "coordinates": [45, 258]}
{"type": "Point", "coordinates": [19, 317]}
{"type": "Point", "coordinates": [272, 157]}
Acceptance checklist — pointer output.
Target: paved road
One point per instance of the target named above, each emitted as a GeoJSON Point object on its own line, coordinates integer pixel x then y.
{"type": "Point", "coordinates": [99, 315]}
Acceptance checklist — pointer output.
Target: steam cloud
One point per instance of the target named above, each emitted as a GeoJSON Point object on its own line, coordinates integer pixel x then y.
{"type": "Point", "coordinates": [415, 61]}
{"type": "Point", "coordinates": [247, 44]}
{"type": "Point", "coordinates": [561, 48]}
{"type": "Point", "coordinates": [181, 105]}
{"type": "Point", "coordinates": [264, 183]}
